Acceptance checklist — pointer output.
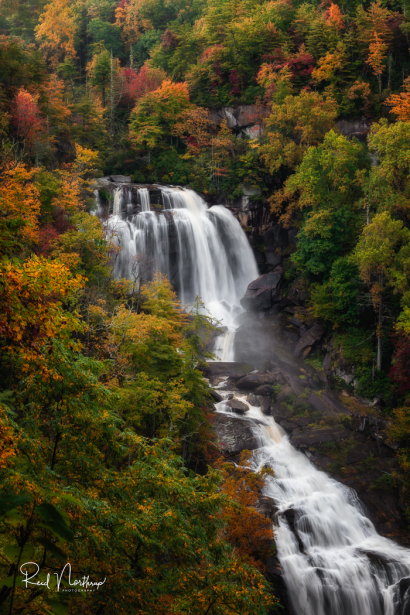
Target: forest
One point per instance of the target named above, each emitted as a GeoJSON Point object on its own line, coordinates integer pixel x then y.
{"type": "Point", "coordinates": [107, 455]}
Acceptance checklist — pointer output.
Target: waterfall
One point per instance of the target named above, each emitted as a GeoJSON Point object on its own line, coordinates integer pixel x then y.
{"type": "Point", "coordinates": [334, 562]}
{"type": "Point", "coordinates": [202, 250]}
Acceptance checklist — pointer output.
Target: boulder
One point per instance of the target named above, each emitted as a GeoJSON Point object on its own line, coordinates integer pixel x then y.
{"type": "Point", "coordinates": [234, 435]}
{"type": "Point", "coordinates": [253, 400]}
{"type": "Point", "coordinates": [309, 340]}
{"type": "Point", "coordinates": [265, 405]}
{"type": "Point", "coordinates": [309, 437]}
{"type": "Point", "coordinates": [253, 380]}
{"type": "Point", "coordinates": [262, 292]}
{"type": "Point", "coordinates": [264, 389]}
{"type": "Point", "coordinates": [222, 368]}
{"type": "Point", "coordinates": [237, 406]}
{"type": "Point", "coordinates": [215, 396]}
{"type": "Point", "coordinates": [288, 425]}
{"type": "Point", "coordinates": [266, 506]}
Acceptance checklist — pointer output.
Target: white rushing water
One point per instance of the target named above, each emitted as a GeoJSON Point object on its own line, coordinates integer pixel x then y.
{"type": "Point", "coordinates": [203, 252]}
{"type": "Point", "coordinates": [335, 563]}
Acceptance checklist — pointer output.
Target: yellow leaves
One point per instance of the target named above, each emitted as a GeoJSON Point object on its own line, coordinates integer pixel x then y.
{"type": "Point", "coordinates": [19, 201]}
{"type": "Point", "coordinates": [328, 65]}
{"type": "Point", "coordinates": [56, 30]}
{"type": "Point", "coordinates": [31, 311]}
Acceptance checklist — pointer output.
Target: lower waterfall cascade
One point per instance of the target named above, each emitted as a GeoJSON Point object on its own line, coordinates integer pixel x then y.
{"type": "Point", "coordinates": [335, 563]}
{"type": "Point", "coordinates": [202, 250]}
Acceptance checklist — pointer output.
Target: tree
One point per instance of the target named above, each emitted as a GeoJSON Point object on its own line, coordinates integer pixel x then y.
{"type": "Point", "coordinates": [27, 118]}
{"type": "Point", "coordinates": [99, 70]}
{"type": "Point", "coordinates": [377, 54]}
{"type": "Point", "coordinates": [155, 115]}
{"type": "Point", "coordinates": [400, 103]}
{"type": "Point", "coordinates": [134, 85]}
{"type": "Point", "coordinates": [56, 31]}
{"type": "Point", "coordinates": [247, 530]}
{"type": "Point", "coordinates": [388, 187]}
{"type": "Point", "coordinates": [19, 210]}
{"type": "Point", "coordinates": [294, 125]}
{"type": "Point", "coordinates": [383, 259]}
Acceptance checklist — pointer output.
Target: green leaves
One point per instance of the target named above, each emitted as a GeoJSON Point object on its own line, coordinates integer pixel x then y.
{"type": "Point", "coordinates": [9, 502]}
{"type": "Point", "coordinates": [55, 521]}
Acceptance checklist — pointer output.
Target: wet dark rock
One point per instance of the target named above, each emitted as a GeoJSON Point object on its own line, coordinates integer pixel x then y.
{"type": "Point", "coordinates": [221, 368]}
{"type": "Point", "coordinates": [331, 400]}
{"type": "Point", "coordinates": [362, 451]}
{"type": "Point", "coordinates": [292, 235]}
{"type": "Point", "coordinates": [276, 237]}
{"type": "Point", "coordinates": [296, 386]}
{"type": "Point", "coordinates": [288, 425]}
{"type": "Point", "coordinates": [283, 394]}
{"type": "Point", "coordinates": [301, 421]}
{"type": "Point", "coordinates": [266, 506]}
{"type": "Point", "coordinates": [265, 405]}
{"type": "Point", "coordinates": [402, 594]}
{"type": "Point", "coordinates": [309, 340]}
{"type": "Point", "coordinates": [215, 395]}
{"type": "Point", "coordinates": [234, 435]}
{"type": "Point", "coordinates": [264, 389]}
{"type": "Point", "coordinates": [262, 292]}
{"type": "Point", "coordinates": [237, 406]}
{"type": "Point", "coordinates": [253, 380]}
{"type": "Point", "coordinates": [273, 258]}
{"type": "Point", "coordinates": [318, 404]}
{"type": "Point", "coordinates": [253, 400]}
{"type": "Point", "coordinates": [310, 437]}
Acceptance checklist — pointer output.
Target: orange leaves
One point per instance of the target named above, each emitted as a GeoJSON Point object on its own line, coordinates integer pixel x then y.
{"type": "Point", "coordinates": [377, 54]}
{"type": "Point", "coordinates": [334, 17]}
{"type": "Point", "coordinates": [400, 103]}
{"type": "Point", "coordinates": [328, 65]}
{"type": "Point", "coordinates": [249, 531]}
{"type": "Point", "coordinates": [129, 18]}
{"type": "Point", "coordinates": [194, 127]}
{"type": "Point", "coordinates": [31, 310]}
{"type": "Point", "coordinates": [19, 201]}
{"type": "Point", "coordinates": [56, 30]}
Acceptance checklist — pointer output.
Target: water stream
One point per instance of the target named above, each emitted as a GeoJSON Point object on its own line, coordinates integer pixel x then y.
{"type": "Point", "coordinates": [202, 250]}
{"type": "Point", "coordinates": [333, 560]}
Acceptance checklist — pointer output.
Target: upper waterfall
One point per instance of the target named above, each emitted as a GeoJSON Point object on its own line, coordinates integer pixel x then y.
{"type": "Point", "coordinates": [202, 250]}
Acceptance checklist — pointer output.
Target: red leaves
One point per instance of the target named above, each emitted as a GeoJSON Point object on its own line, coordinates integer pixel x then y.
{"type": "Point", "coordinates": [135, 85]}
{"type": "Point", "coordinates": [26, 117]}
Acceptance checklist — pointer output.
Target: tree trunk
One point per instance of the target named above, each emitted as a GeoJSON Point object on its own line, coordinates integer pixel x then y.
{"type": "Point", "coordinates": [103, 97]}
